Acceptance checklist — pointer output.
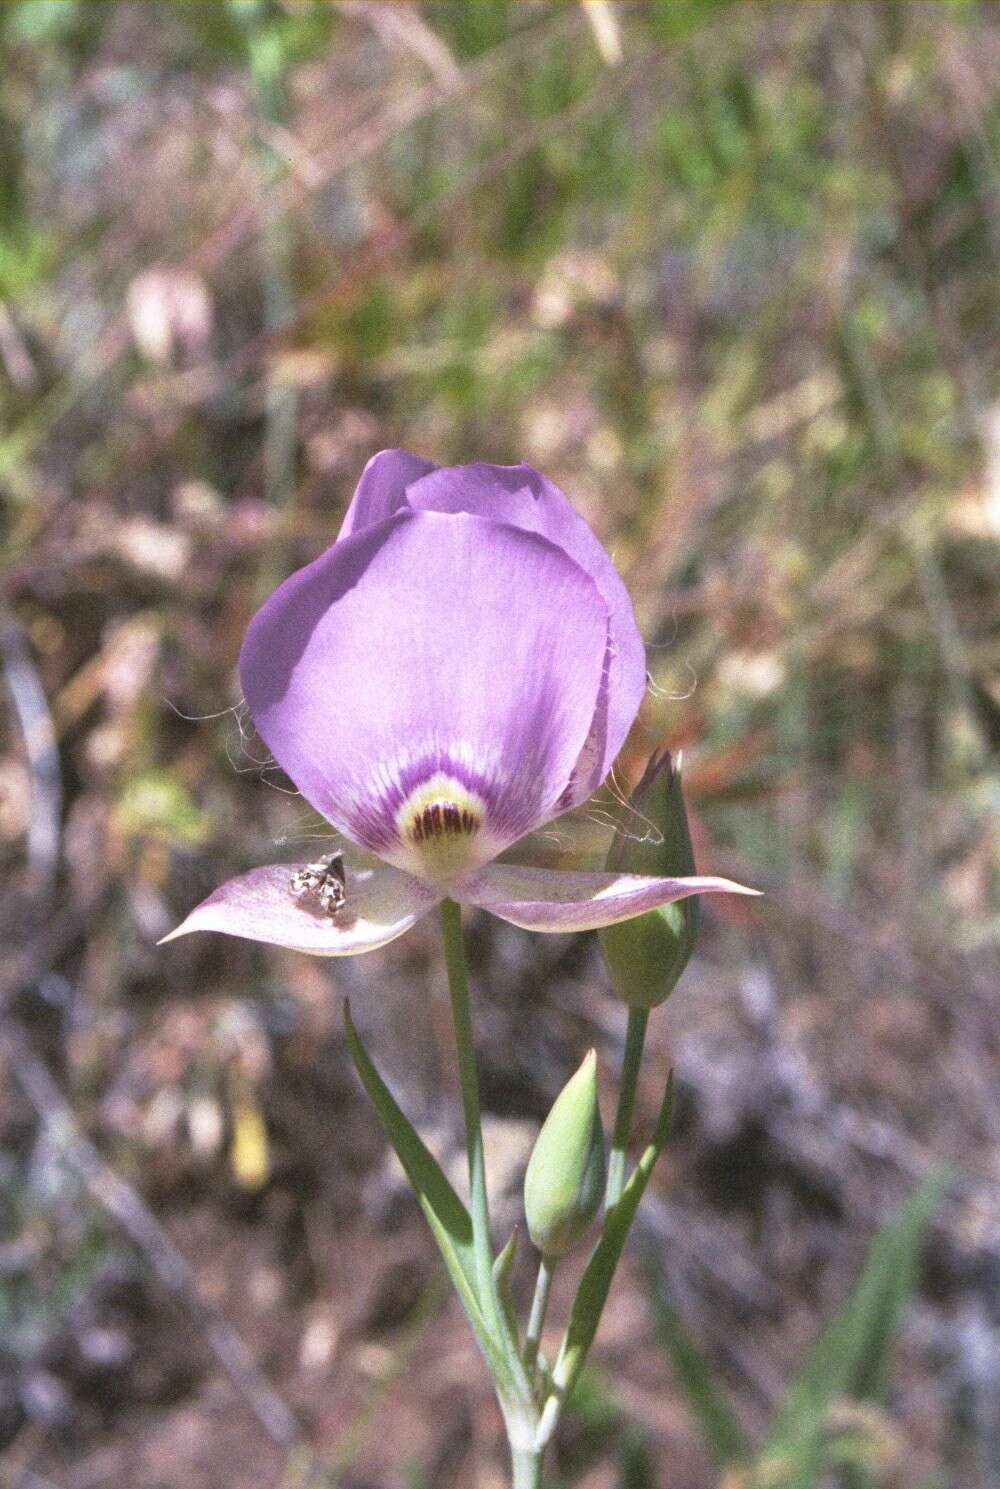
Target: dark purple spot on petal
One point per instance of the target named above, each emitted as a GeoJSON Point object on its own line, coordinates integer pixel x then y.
{"type": "Point", "coordinates": [441, 820]}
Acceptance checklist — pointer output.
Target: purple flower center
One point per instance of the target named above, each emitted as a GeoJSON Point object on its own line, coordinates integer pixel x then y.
{"type": "Point", "coordinates": [434, 819]}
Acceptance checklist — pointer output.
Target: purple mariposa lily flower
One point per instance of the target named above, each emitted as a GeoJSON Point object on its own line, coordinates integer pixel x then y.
{"type": "Point", "coordinates": [461, 666]}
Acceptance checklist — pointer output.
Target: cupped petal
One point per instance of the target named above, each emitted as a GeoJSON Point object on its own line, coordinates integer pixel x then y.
{"type": "Point", "coordinates": [568, 900]}
{"type": "Point", "coordinates": [382, 489]}
{"type": "Point", "coordinates": [381, 903]}
{"type": "Point", "coordinates": [429, 684]}
{"type": "Point", "coordinates": [522, 497]}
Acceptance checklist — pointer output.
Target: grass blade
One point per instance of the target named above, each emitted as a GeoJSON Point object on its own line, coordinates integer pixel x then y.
{"type": "Point", "coordinates": [709, 1402]}
{"type": "Point", "coordinates": [852, 1356]}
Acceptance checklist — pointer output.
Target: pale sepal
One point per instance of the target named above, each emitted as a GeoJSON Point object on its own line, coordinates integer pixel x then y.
{"type": "Point", "coordinates": [567, 900]}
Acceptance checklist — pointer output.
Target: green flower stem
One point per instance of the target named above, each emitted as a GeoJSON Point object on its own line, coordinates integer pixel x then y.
{"type": "Point", "coordinates": [618, 1158]}
{"type": "Point", "coordinates": [527, 1470]}
{"type": "Point", "coordinates": [536, 1322]}
{"type": "Point", "coordinates": [458, 988]}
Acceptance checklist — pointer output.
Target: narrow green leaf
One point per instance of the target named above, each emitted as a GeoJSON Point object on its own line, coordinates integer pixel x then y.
{"type": "Point", "coordinates": [709, 1403]}
{"type": "Point", "coordinates": [851, 1357]}
{"type": "Point", "coordinates": [446, 1214]}
{"type": "Point", "coordinates": [600, 1423]}
{"type": "Point", "coordinates": [895, 1260]}
{"type": "Point", "coordinates": [596, 1281]}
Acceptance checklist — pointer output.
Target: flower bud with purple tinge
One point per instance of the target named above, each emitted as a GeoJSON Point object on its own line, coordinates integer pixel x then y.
{"type": "Point", "coordinates": [564, 1184]}
{"type": "Point", "coordinates": [646, 956]}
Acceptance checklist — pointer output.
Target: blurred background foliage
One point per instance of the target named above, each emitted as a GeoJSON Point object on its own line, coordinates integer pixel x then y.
{"type": "Point", "coordinates": [728, 273]}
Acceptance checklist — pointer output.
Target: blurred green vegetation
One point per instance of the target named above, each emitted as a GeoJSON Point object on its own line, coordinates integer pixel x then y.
{"type": "Point", "coordinates": [830, 1419]}
{"type": "Point", "coordinates": [726, 272]}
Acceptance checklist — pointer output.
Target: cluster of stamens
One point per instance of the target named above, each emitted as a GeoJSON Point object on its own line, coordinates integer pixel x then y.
{"type": "Point", "coordinates": [323, 881]}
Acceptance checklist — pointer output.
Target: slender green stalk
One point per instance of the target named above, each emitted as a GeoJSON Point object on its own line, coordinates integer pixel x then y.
{"type": "Point", "coordinates": [635, 1038]}
{"type": "Point", "coordinates": [517, 1398]}
{"type": "Point", "coordinates": [269, 70]}
{"type": "Point", "coordinates": [527, 1470]}
{"type": "Point", "coordinates": [458, 988]}
{"type": "Point", "coordinates": [536, 1321]}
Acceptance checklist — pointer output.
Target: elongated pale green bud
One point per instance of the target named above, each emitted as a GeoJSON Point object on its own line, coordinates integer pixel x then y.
{"type": "Point", "coordinates": [564, 1184]}
{"type": "Point", "coordinates": [646, 956]}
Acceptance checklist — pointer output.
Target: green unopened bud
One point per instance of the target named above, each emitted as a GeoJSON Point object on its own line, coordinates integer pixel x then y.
{"type": "Point", "coordinates": [564, 1184]}
{"type": "Point", "coordinates": [647, 955]}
